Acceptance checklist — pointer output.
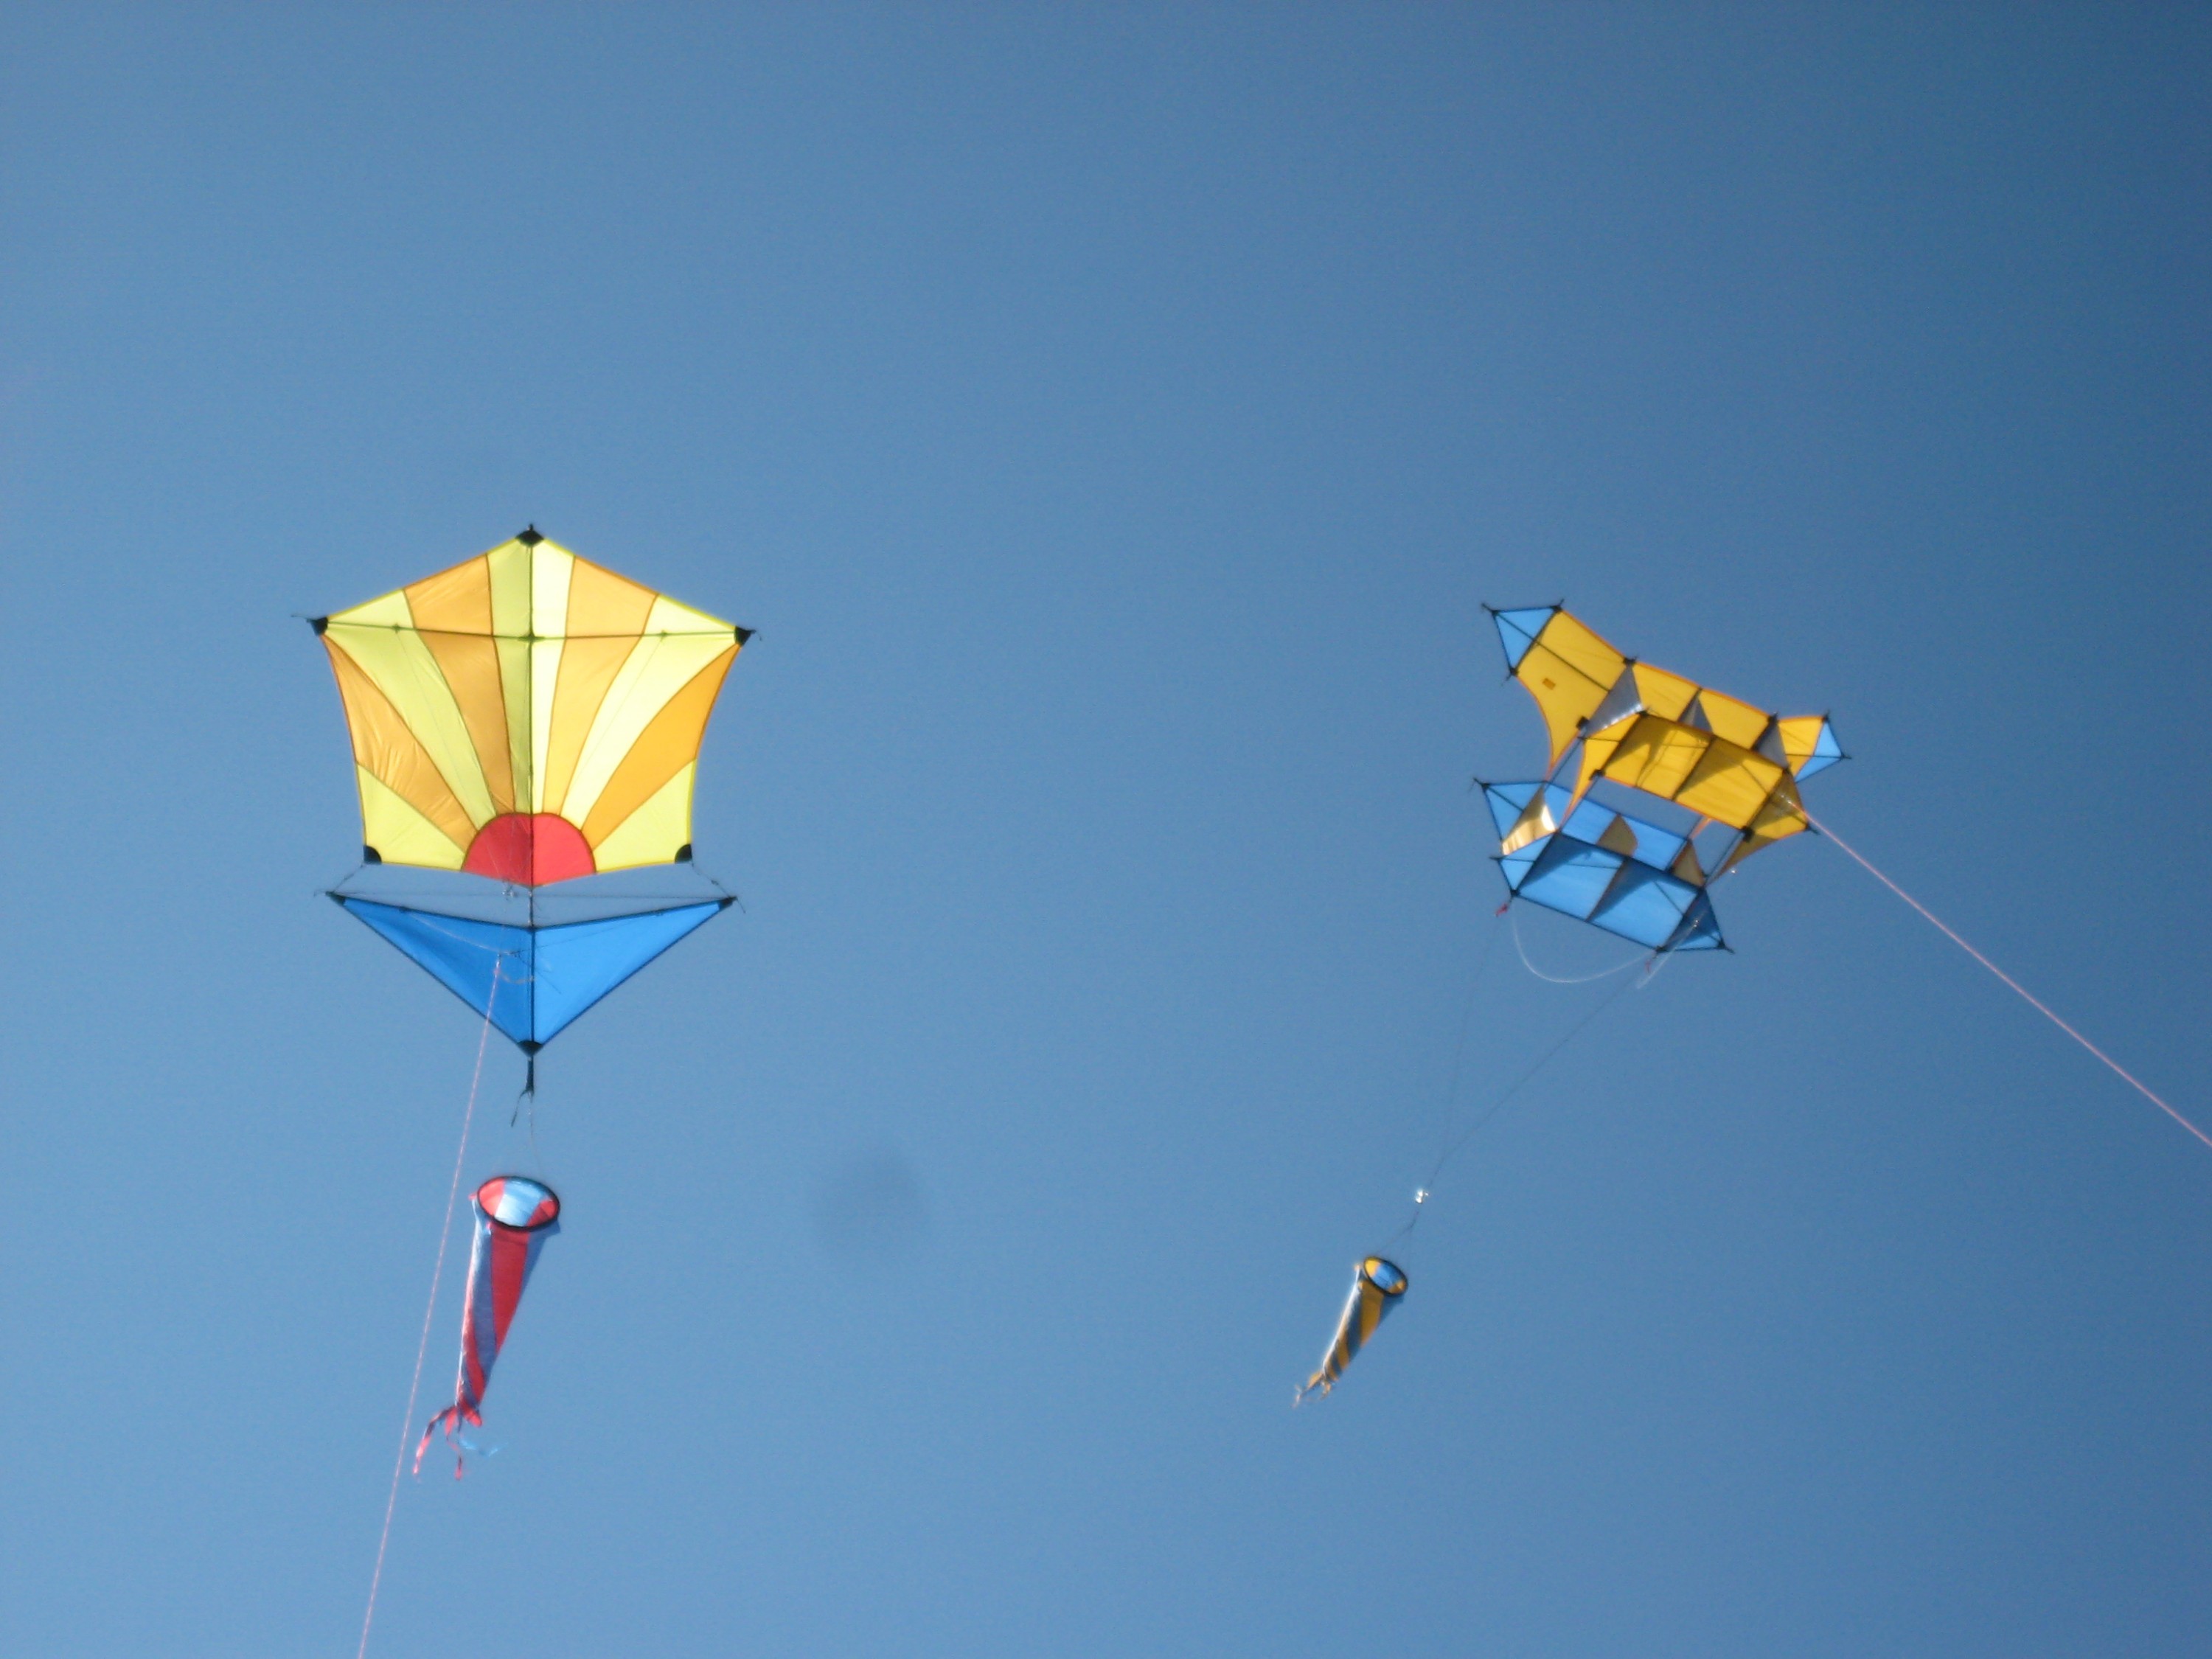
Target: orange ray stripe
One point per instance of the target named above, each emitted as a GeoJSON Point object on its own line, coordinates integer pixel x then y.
{"type": "Point", "coordinates": [392, 754]}
{"type": "Point", "coordinates": [669, 743]}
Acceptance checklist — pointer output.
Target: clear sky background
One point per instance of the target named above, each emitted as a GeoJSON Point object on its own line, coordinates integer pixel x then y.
{"type": "Point", "coordinates": [1112, 419]}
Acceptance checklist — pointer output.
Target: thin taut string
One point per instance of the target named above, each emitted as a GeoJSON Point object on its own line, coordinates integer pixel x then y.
{"type": "Point", "coordinates": [430, 1312]}
{"type": "Point", "coordinates": [2021, 991]}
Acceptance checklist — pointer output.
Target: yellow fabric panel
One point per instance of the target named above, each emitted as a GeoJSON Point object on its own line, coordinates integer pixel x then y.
{"type": "Point", "coordinates": [1732, 721]}
{"type": "Point", "coordinates": [543, 677]}
{"type": "Point", "coordinates": [670, 617]}
{"type": "Point", "coordinates": [1618, 838]}
{"type": "Point", "coordinates": [1574, 644]}
{"type": "Point", "coordinates": [1599, 749]}
{"type": "Point", "coordinates": [600, 602]}
{"type": "Point", "coordinates": [657, 832]}
{"type": "Point", "coordinates": [508, 568]}
{"type": "Point", "coordinates": [1781, 816]}
{"type": "Point", "coordinates": [1534, 824]}
{"type": "Point", "coordinates": [1783, 813]}
{"type": "Point", "coordinates": [1657, 756]}
{"type": "Point", "coordinates": [550, 566]}
{"type": "Point", "coordinates": [606, 613]}
{"type": "Point", "coordinates": [1568, 671]}
{"type": "Point", "coordinates": [1565, 696]}
{"type": "Point", "coordinates": [453, 610]}
{"type": "Point", "coordinates": [587, 668]}
{"type": "Point", "coordinates": [399, 832]}
{"type": "Point", "coordinates": [514, 656]}
{"type": "Point", "coordinates": [387, 749]}
{"type": "Point", "coordinates": [1799, 734]}
{"type": "Point", "coordinates": [456, 601]}
{"type": "Point", "coordinates": [662, 749]}
{"type": "Point", "coordinates": [400, 664]}
{"type": "Point", "coordinates": [1371, 1311]}
{"type": "Point", "coordinates": [386, 610]}
{"type": "Point", "coordinates": [1663, 694]}
{"type": "Point", "coordinates": [681, 621]}
{"type": "Point", "coordinates": [470, 663]}
{"type": "Point", "coordinates": [1686, 865]}
{"type": "Point", "coordinates": [468, 696]}
{"type": "Point", "coordinates": [661, 666]}
{"type": "Point", "coordinates": [1729, 784]}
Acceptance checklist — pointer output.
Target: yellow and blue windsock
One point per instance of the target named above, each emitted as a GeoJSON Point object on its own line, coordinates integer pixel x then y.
{"type": "Point", "coordinates": [1377, 1286]}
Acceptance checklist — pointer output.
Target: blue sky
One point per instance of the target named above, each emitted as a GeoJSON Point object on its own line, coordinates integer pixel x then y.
{"type": "Point", "coordinates": [1112, 420]}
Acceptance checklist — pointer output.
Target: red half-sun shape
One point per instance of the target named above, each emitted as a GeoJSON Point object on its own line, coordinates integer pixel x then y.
{"type": "Point", "coordinates": [529, 848]}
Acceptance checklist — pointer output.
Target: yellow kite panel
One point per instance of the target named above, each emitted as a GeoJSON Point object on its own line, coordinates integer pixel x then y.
{"type": "Point", "coordinates": [521, 687]}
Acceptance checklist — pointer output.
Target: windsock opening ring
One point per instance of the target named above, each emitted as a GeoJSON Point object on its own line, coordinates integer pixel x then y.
{"type": "Point", "coordinates": [518, 1203]}
{"type": "Point", "coordinates": [1386, 1277]}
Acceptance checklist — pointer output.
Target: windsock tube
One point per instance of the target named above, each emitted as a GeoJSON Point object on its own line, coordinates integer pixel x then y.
{"type": "Point", "coordinates": [516, 1216]}
{"type": "Point", "coordinates": [1377, 1286]}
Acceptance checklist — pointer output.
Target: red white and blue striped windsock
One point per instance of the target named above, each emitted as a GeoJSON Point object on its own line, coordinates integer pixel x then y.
{"type": "Point", "coordinates": [516, 1216]}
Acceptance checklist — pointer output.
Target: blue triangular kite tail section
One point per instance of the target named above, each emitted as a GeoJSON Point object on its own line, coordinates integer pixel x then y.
{"type": "Point", "coordinates": [1701, 929]}
{"type": "Point", "coordinates": [1515, 866]}
{"type": "Point", "coordinates": [1507, 801]}
{"type": "Point", "coordinates": [1826, 751]}
{"type": "Point", "coordinates": [469, 958]}
{"type": "Point", "coordinates": [1517, 631]}
{"type": "Point", "coordinates": [581, 962]}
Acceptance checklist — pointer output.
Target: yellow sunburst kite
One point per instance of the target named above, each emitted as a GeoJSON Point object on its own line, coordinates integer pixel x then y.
{"type": "Point", "coordinates": [527, 715]}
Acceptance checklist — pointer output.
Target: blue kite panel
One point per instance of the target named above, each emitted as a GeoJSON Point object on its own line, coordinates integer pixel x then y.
{"type": "Point", "coordinates": [1826, 751]}
{"type": "Point", "coordinates": [1517, 631]}
{"type": "Point", "coordinates": [1507, 801]}
{"type": "Point", "coordinates": [1644, 906]}
{"type": "Point", "coordinates": [1701, 929]}
{"type": "Point", "coordinates": [1515, 865]}
{"type": "Point", "coordinates": [469, 958]}
{"type": "Point", "coordinates": [579, 963]}
{"type": "Point", "coordinates": [1571, 876]}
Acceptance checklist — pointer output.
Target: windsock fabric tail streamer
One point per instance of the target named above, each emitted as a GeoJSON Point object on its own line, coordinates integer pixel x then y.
{"type": "Point", "coordinates": [1376, 1287]}
{"type": "Point", "coordinates": [514, 1218]}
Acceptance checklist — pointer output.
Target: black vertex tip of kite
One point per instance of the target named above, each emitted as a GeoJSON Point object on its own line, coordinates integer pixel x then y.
{"type": "Point", "coordinates": [319, 624]}
{"type": "Point", "coordinates": [530, 537]}
{"type": "Point", "coordinates": [724, 904]}
{"type": "Point", "coordinates": [746, 634]}
{"type": "Point", "coordinates": [530, 1047]}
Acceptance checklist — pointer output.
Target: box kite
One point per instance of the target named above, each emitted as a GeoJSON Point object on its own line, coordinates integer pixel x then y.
{"type": "Point", "coordinates": [1732, 767]}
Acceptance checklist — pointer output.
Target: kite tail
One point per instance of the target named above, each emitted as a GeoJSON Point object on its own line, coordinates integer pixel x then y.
{"type": "Point", "coordinates": [450, 1420]}
{"type": "Point", "coordinates": [1320, 1382]}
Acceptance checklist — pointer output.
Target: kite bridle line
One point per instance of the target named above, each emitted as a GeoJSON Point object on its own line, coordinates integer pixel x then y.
{"type": "Point", "coordinates": [430, 1312]}
{"type": "Point", "coordinates": [1451, 1148]}
{"type": "Point", "coordinates": [1514, 922]}
{"type": "Point", "coordinates": [2012, 984]}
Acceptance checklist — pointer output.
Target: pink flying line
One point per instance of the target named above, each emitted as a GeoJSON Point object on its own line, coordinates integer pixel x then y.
{"type": "Point", "coordinates": [2026, 995]}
